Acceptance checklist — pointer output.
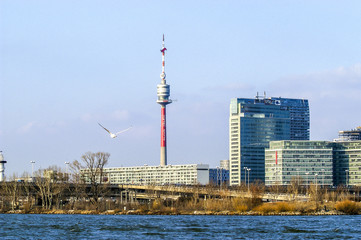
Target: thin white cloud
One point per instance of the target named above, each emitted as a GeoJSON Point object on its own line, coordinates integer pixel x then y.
{"type": "Point", "coordinates": [234, 86]}
{"type": "Point", "coordinates": [120, 114]}
{"type": "Point", "coordinates": [86, 117]}
{"type": "Point", "coordinates": [340, 82]}
{"type": "Point", "coordinates": [27, 127]}
{"type": "Point", "coordinates": [334, 96]}
{"type": "Point", "coordinates": [111, 115]}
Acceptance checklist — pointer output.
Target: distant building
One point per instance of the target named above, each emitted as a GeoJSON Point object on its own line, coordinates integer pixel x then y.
{"type": "Point", "coordinates": [219, 176]}
{"type": "Point", "coordinates": [253, 123]}
{"type": "Point", "coordinates": [190, 174]}
{"type": "Point", "coordinates": [335, 163]}
{"type": "Point", "coordinates": [224, 164]}
{"type": "Point", "coordinates": [304, 161]}
{"type": "Point", "coordinates": [351, 135]}
{"type": "Point", "coordinates": [347, 163]}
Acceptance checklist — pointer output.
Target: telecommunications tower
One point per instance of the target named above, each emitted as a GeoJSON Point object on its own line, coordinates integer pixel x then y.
{"type": "Point", "coordinates": [163, 92]}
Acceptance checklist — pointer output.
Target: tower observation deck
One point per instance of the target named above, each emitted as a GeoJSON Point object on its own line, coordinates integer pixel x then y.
{"type": "Point", "coordinates": [163, 92]}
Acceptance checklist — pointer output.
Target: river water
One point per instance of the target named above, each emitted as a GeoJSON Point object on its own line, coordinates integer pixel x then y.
{"type": "Point", "coordinates": [27, 226]}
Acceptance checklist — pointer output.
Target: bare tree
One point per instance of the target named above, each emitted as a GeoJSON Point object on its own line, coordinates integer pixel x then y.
{"type": "Point", "coordinates": [13, 191]}
{"type": "Point", "coordinates": [257, 189]}
{"type": "Point", "coordinates": [51, 185]}
{"type": "Point", "coordinates": [294, 187]}
{"type": "Point", "coordinates": [90, 170]}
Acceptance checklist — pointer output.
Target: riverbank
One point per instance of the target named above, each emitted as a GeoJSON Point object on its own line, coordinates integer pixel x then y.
{"type": "Point", "coordinates": [142, 212]}
{"type": "Point", "coordinates": [211, 207]}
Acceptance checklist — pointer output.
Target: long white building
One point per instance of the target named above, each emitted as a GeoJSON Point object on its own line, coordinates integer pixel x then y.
{"type": "Point", "coordinates": [189, 174]}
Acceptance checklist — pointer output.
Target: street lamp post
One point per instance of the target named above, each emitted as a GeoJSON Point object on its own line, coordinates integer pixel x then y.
{"type": "Point", "coordinates": [248, 169]}
{"type": "Point", "coordinates": [245, 180]}
{"type": "Point", "coordinates": [316, 182]}
{"type": "Point", "coordinates": [66, 170]}
{"type": "Point", "coordinates": [323, 178]}
{"type": "Point", "coordinates": [307, 181]}
{"type": "Point", "coordinates": [298, 176]}
{"type": "Point", "coordinates": [347, 173]}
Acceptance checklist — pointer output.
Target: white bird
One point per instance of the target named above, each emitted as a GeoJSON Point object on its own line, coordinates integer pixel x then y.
{"type": "Point", "coordinates": [112, 135]}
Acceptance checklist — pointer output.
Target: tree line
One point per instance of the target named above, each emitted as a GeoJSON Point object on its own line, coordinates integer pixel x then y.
{"type": "Point", "coordinates": [52, 188]}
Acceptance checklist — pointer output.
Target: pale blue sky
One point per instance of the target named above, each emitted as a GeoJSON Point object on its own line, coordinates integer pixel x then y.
{"type": "Point", "coordinates": [66, 65]}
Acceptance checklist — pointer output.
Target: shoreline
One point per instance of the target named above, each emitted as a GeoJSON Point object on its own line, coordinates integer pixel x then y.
{"type": "Point", "coordinates": [160, 213]}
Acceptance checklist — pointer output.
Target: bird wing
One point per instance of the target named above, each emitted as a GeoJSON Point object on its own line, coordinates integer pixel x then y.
{"type": "Point", "coordinates": [104, 128]}
{"type": "Point", "coordinates": [124, 130]}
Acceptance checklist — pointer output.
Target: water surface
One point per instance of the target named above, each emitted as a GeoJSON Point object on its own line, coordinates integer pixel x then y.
{"type": "Point", "coordinates": [28, 226]}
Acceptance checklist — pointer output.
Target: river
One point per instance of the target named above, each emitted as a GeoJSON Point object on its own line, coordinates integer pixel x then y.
{"type": "Point", "coordinates": [33, 226]}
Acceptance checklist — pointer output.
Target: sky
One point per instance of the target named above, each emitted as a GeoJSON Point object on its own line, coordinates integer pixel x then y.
{"type": "Point", "coordinates": [66, 66]}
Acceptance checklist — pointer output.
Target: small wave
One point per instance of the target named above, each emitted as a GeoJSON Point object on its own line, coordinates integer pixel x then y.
{"type": "Point", "coordinates": [296, 230]}
{"type": "Point", "coordinates": [75, 228]}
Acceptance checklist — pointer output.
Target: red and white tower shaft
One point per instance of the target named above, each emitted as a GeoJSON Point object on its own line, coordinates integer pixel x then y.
{"type": "Point", "coordinates": [163, 92]}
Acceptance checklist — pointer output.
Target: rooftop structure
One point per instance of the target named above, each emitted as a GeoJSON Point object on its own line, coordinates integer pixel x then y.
{"type": "Point", "coordinates": [351, 135]}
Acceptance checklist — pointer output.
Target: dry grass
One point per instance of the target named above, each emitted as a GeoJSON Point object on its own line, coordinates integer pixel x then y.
{"type": "Point", "coordinates": [348, 207]}
{"type": "Point", "coordinates": [279, 207]}
{"type": "Point", "coordinates": [239, 205]}
{"type": "Point", "coordinates": [216, 205]}
{"type": "Point", "coordinates": [265, 208]}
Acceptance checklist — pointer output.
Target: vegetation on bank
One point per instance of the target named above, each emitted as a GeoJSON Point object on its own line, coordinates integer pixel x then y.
{"type": "Point", "coordinates": [54, 192]}
{"type": "Point", "coordinates": [19, 197]}
{"type": "Point", "coordinates": [211, 207]}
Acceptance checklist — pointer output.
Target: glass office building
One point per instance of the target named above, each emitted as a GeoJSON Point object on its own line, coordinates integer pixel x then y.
{"type": "Point", "coordinates": [303, 161]}
{"type": "Point", "coordinates": [347, 163]}
{"type": "Point", "coordinates": [253, 123]}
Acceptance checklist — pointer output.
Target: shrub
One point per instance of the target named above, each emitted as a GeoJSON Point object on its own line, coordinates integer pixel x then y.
{"type": "Point", "coordinates": [305, 207]}
{"type": "Point", "coordinates": [157, 204]}
{"type": "Point", "coordinates": [266, 208]}
{"type": "Point", "coordinates": [348, 207]}
{"type": "Point", "coordinates": [284, 207]}
{"type": "Point", "coordinates": [278, 207]}
{"type": "Point", "coordinates": [239, 205]}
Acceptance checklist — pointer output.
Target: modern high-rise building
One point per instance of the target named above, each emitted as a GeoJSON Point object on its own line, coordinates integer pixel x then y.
{"type": "Point", "coordinates": [253, 123]}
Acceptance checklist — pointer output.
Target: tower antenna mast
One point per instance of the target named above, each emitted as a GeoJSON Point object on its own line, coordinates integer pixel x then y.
{"type": "Point", "coordinates": [163, 93]}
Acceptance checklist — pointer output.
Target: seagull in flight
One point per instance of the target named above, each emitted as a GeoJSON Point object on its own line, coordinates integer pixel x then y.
{"type": "Point", "coordinates": [112, 135]}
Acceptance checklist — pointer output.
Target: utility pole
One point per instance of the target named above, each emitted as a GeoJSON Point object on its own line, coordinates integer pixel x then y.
{"type": "Point", "coordinates": [32, 170]}
{"type": "Point", "coordinates": [248, 169]}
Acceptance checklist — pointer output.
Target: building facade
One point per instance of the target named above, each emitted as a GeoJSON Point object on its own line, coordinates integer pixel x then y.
{"type": "Point", "coordinates": [347, 163]}
{"type": "Point", "coordinates": [224, 164]}
{"type": "Point", "coordinates": [190, 174]}
{"type": "Point", "coordinates": [303, 161]}
{"type": "Point", "coordinates": [219, 176]}
{"type": "Point", "coordinates": [351, 135]}
{"type": "Point", "coordinates": [253, 123]}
